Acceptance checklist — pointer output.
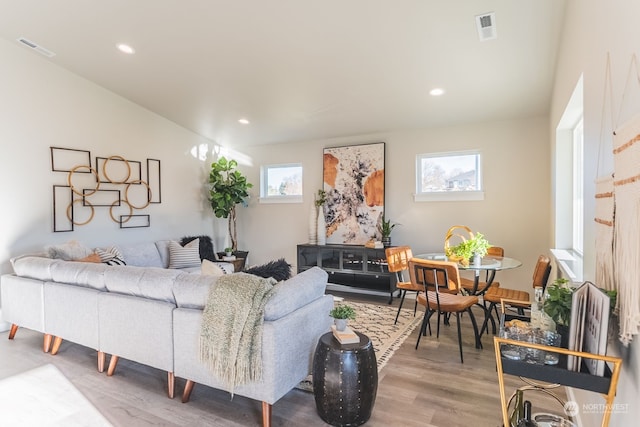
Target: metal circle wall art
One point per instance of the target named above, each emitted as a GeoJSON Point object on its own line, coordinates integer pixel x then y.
{"type": "Point", "coordinates": [112, 182]}
{"type": "Point", "coordinates": [126, 194]}
{"type": "Point", "coordinates": [76, 169]}
{"type": "Point", "coordinates": [117, 203]}
{"type": "Point", "coordinates": [71, 216]}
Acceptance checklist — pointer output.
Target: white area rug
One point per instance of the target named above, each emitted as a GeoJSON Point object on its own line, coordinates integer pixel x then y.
{"type": "Point", "coordinates": [376, 322]}
{"type": "Point", "coordinates": [45, 397]}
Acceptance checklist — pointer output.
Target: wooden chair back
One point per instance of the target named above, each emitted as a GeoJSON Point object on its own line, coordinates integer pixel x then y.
{"type": "Point", "coordinates": [440, 275]}
{"type": "Point", "coordinates": [495, 251]}
{"type": "Point", "coordinates": [398, 259]}
{"type": "Point", "coordinates": [542, 272]}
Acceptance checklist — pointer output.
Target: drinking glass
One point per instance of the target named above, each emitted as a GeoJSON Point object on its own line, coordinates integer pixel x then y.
{"type": "Point", "coordinates": [551, 338]}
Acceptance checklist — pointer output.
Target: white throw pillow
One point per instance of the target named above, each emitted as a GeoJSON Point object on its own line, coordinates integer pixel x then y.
{"type": "Point", "coordinates": [210, 268]}
{"type": "Point", "coordinates": [184, 256]}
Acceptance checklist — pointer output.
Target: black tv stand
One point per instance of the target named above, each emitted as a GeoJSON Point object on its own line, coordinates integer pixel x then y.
{"type": "Point", "coordinates": [350, 265]}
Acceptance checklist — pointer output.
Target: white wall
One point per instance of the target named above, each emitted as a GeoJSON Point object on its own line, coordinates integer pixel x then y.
{"type": "Point", "coordinates": [514, 213]}
{"type": "Point", "coordinates": [42, 105]}
{"type": "Point", "coordinates": [592, 29]}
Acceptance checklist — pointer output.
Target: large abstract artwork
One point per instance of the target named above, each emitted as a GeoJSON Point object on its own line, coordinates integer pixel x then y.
{"type": "Point", "coordinates": [354, 185]}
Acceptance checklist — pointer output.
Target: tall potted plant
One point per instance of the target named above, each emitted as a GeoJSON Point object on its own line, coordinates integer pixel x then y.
{"type": "Point", "coordinates": [227, 188]}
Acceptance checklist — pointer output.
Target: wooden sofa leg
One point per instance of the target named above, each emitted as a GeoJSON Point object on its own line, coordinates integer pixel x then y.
{"type": "Point", "coordinates": [12, 332]}
{"type": "Point", "coordinates": [188, 388]}
{"type": "Point", "coordinates": [112, 365]}
{"type": "Point", "coordinates": [46, 343]}
{"type": "Point", "coordinates": [171, 384]}
{"type": "Point", "coordinates": [266, 414]}
{"type": "Point", "coordinates": [57, 342]}
{"type": "Point", "coordinates": [101, 359]}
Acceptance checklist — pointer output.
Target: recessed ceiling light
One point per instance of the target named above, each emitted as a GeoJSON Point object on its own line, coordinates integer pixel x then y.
{"type": "Point", "coordinates": [436, 92]}
{"type": "Point", "coordinates": [125, 48]}
{"type": "Point", "coordinates": [243, 121]}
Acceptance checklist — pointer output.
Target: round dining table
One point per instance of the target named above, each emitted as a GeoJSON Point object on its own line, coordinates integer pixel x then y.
{"type": "Point", "coordinates": [489, 264]}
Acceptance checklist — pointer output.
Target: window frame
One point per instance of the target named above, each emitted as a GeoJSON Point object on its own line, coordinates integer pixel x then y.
{"type": "Point", "coordinates": [456, 195]}
{"type": "Point", "coordinates": [264, 184]}
{"type": "Point", "coordinates": [577, 187]}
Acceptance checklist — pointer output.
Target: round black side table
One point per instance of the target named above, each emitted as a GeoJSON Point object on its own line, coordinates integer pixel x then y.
{"type": "Point", "coordinates": [345, 380]}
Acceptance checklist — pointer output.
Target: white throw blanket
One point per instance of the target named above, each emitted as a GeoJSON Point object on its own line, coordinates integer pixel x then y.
{"type": "Point", "coordinates": [231, 330]}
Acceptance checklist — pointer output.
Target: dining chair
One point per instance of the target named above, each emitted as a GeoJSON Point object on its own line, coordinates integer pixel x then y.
{"type": "Point", "coordinates": [398, 262]}
{"type": "Point", "coordinates": [469, 284]}
{"type": "Point", "coordinates": [518, 299]}
{"type": "Point", "coordinates": [440, 281]}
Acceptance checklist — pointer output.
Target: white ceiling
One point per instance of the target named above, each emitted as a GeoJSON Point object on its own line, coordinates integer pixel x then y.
{"type": "Point", "coordinates": [304, 69]}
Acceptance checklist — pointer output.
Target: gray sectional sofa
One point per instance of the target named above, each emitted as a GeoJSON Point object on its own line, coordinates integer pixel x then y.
{"type": "Point", "coordinates": [149, 314]}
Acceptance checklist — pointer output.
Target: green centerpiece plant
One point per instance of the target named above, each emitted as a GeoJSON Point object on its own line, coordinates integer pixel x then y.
{"type": "Point", "coordinates": [465, 250]}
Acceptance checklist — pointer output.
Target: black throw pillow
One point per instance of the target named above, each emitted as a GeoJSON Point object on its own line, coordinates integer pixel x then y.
{"type": "Point", "coordinates": [206, 246]}
{"type": "Point", "coordinates": [279, 270]}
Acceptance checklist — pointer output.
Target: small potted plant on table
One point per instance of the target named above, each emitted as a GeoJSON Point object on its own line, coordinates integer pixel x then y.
{"type": "Point", "coordinates": [341, 315]}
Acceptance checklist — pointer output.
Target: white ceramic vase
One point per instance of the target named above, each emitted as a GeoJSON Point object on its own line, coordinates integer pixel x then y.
{"type": "Point", "coordinates": [313, 226]}
{"type": "Point", "coordinates": [477, 260]}
{"type": "Point", "coordinates": [341, 324]}
{"type": "Point", "coordinates": [322, 226]}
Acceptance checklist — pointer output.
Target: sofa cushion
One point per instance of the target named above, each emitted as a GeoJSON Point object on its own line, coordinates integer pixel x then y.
{"type": "Point", "coordinates": [163, 249]}
{"type": "Point", "coordinates": [296, 292]}
{"type": "Point", "coordinates": [90, 275]}
{"type": "Point", "coordinates": [184, 256]}
{"type": "Point", "coordinates": [192, 290]}
{"type": "Point", "coordinates": [34, 267]}
{"type": "Point", "coordinates": [141, 254]}
{"type": "Point", "coordinates": [148, 282]}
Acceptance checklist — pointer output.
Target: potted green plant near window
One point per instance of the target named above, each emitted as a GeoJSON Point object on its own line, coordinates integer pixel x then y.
{"type": "Point", "coordinates": [385, 228]}
{"type": "Point", "coordinates": [227, 188]}
{"type": "Point", "coordinates": [557, 301]}
{"type": "Point", "coordinates": [341, 315]}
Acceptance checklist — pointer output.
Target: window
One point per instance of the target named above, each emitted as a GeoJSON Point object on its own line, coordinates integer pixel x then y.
{"type": "Point", "coordinates": [578, 178]}
{"type": "Point", "coordinates": [568, 181]}
{"type": "Point", "coordinates": [449, 176]}
{"type": "Point", "coordinates": [281, 183]}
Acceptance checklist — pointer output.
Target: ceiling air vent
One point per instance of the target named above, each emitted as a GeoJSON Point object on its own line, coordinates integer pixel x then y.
{"type": "Point", "coordinates": [486, 26]}
{"type": "Point", "coordinates": [36, 47]}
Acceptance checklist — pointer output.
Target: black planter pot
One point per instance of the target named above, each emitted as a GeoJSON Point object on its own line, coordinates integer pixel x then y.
{"type": "Point", "coordinates": [386, 241]}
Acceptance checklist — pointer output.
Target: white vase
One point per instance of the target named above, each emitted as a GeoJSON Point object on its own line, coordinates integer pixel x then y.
{"type": "Point", "coordinates": [477, 260]}
{"type": "Point", "coordinates": [313, 226]}
{"type": "Point", "coordinates": [341, 324]}
{"type": "Point", "coordinates": [322, 225]}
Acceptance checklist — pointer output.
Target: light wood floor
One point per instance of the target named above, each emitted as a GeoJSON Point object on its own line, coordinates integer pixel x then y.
{"type": "Point", "coordinates": [425, 387]}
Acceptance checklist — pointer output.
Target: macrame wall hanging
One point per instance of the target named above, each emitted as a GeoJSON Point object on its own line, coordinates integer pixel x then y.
{"type": "Point", "coordinates": [604, 203]}
{"type": "Point", "coordinates": [626, 187]}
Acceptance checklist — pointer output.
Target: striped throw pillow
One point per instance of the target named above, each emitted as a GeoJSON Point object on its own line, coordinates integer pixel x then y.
{"type": "Point", "coordinates": [111, 256]}
{"type": "Point", "coordinates": [184, 256]}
